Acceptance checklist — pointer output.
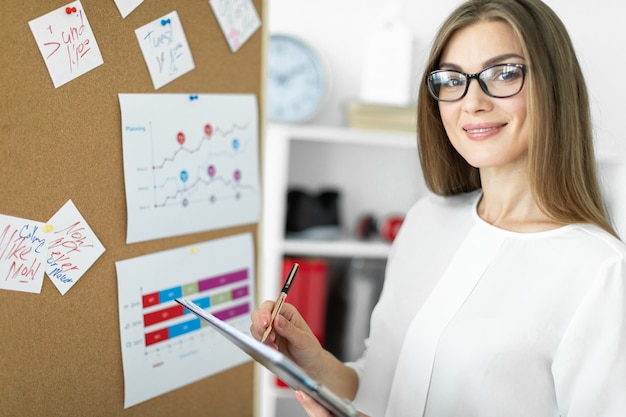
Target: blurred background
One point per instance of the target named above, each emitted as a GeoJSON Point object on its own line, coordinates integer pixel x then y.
{"type": "Point", "coordinates": [339, 31]}
{"type": "Point", "coordinates": [333, 181]}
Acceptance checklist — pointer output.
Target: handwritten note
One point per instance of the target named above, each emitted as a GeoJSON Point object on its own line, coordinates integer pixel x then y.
{"type": "Point", "coordinates": [66, 42]}
{"type": "Point", "coordinates": [72, 247]}
{"type": "Point", "coordinates": [165, 49]}
{"type": "Point", "coordinates": [23, 250]}
{"type": "Point", "coordinates": [238, 20]}
{"type": "Point", "coordinates": [127, 6]}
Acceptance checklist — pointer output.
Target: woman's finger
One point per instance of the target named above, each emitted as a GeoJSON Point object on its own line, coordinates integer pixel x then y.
{"type": "Point", "coordinates": [312, 407]}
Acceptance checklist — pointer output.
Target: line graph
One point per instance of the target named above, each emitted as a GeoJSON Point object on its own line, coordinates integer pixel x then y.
{"type": "Point", "coordinates": [206, 175]}
{"type": "Point", "coordinates": [189, 165]}
{"type": "Point", "coordinates": [208, 134]}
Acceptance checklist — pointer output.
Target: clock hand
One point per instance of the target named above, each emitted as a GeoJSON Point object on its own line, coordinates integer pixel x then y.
{"type": "Point", "coordinates": [281, 79]}
{"type": "Point", "coordinates": [284, 78]}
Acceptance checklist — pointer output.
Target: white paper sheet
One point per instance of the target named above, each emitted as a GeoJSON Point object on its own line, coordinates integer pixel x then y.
{"type": "Point", "coordinates": [238, 20]}
{"type": "Point", "coordinates": [165, 49]}
{"type": "Point", "coordinates": [23, 252]}
{"type": "Point", "coordinates": [127, 6]}
{"type": "Point", "coordinates": [190, 163]}
{"type": "Point", "coordinates": [72, 247]}
{"type": "Point", "coordinates": [66, 42]}
{"type": "Point", "coordinates": [164, 346]}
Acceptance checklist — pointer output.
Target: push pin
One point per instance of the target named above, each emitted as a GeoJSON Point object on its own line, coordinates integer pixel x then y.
{"type": "Point", "coordinates": [70, 10]}
{"type": "Point", "coordinates": [165, 22]}
{"type": "Point", "coordinates": [192, 98]}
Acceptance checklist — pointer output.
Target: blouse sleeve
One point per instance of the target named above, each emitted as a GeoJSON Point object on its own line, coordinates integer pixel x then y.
{"type": "Point", "coordinates": [589, 367]}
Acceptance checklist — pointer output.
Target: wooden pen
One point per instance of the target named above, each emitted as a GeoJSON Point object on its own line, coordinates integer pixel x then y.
{"type": "Point", "coordinates": [281, 298]}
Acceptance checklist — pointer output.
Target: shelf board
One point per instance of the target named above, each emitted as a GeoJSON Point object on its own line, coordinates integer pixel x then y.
{"type": "Point", "coordinates": [343, 248]}
{"type": "Point", "coordinates": [344, 135]}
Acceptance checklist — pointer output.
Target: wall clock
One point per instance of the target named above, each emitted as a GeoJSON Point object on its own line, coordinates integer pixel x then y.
{"type": "Point", "coordinates": [297, 80]}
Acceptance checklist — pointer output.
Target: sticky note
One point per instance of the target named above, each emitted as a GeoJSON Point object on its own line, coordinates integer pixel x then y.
{"type": "Point", "coordinates": [238, 20]}
{"type": "Point", "coordinates": [23, 252]}
{"type": "Point", "coordinates": [72, 247]}
{"type": "Point", "coordinates": [127, 6]}
{"type": "Point", "coordinates": [165, 49]}
{"type": "Point", "coordinates": [66, 42]}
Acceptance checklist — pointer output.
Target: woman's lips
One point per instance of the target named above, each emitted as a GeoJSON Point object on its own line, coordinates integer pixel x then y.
{"type": "Point", "coordinates": [481, 132]}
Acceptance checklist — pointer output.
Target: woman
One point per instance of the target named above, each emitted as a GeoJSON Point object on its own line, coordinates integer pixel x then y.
{"type": "Point", "coordinates": [505, 293]}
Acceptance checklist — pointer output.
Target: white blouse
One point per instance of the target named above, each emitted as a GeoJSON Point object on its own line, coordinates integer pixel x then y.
{"type": "Point", "coordinates": [478, 321]}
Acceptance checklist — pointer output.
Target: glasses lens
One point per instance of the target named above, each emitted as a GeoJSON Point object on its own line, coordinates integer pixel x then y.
{"type": "Point", "coordinates": [502, 80]}
{"type": "Point", "coordinates": [499, 81]}
{"type": "Point", "coordinates": [447, 85]}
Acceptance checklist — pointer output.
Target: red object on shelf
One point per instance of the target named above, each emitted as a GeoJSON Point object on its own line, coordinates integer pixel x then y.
{"type": "Point", "coordinates": [308, 294]}
{"type": "Point", "coordinates": [389, 227]}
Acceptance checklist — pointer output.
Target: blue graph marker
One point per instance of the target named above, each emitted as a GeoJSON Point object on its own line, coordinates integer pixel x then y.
{"type": "Point", "coordinates": [184, 176]}
{"type": "Point", "coordinates": [235, 144]}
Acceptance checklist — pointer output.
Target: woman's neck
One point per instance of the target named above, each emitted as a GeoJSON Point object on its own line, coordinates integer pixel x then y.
{"type": "Point", "coordinates": [508, 203]}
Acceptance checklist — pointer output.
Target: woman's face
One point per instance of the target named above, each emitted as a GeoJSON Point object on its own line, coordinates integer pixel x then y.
{"type": "Point", "coordinates": [490, 133]}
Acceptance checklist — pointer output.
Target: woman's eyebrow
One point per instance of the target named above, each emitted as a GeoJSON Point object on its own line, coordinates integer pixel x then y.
{"type": "Point", "coordinates": [491, 61]}
{"type": "Point", "coordinates": [501, 58]}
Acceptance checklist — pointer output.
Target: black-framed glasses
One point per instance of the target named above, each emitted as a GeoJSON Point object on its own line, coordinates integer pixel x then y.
{"type": "Point", "coordinates": [499, 81]}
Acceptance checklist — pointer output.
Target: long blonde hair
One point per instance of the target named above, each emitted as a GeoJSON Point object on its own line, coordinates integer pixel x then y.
{"type": "Point", "coordinates": [561, 160]}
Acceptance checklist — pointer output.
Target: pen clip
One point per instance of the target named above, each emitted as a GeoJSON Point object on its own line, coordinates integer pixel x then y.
{"type": "Point", "coordinates": [290, 277]}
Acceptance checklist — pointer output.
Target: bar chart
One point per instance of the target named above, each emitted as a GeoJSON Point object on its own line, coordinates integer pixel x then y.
{"type": "Point", "coordinates": [203, 293]}
{"type": "Point", "coordinates": [164, 346]}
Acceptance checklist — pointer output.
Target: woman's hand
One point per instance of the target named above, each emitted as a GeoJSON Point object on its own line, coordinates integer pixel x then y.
{"type": "Point", "coordinates": [293, 337]}
{"type": "Point", "coordinates": [312, 407]}
{"type": "Point", "coordinates": [290, 335]}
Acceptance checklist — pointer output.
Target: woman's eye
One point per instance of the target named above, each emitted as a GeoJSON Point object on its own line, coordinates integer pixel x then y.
{"type": "Point", "coordinates": [510, 75]}
{"type": "Point", "coordinates": [454, 83]}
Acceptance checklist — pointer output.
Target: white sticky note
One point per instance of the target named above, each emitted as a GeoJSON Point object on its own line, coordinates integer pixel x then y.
{"type": "Point", "coordinates": [72, 247]}
{"type": "Point", "coordinates": [127, 6]}
{"type": "Point", "coordinates": [66, 42]}
{"type": "Point", "coordinates": [238, 20]}
{"type": "Point", "coordinates": [165, 49]}
{"type": "Point", "coordinates": [23, 252]}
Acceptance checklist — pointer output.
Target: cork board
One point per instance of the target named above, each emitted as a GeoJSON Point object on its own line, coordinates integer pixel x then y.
{"type": "Point", "coordinates": [60, 355]}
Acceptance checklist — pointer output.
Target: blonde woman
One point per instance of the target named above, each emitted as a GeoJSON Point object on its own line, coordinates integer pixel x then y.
{"type": "Point", "coordinates": [505, 292]}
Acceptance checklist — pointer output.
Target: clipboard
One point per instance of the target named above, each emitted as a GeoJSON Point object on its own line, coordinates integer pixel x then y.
{"type": "Point", "coordinates": [279, 364]}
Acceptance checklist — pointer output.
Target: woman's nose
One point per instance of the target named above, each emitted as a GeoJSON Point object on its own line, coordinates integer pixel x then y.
{"type": "Point", "coordinates": [476, 99]}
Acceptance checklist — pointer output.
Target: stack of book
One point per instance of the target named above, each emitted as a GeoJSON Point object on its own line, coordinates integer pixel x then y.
{"type": "Point", "coordinates": [361, 115]}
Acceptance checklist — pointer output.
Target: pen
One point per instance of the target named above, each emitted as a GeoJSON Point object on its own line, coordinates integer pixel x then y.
{"type": "Point", "coordinates": [281, 298]}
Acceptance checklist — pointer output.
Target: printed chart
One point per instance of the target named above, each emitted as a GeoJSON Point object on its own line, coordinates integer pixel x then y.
{"type": "Point", "coordinates": [164, 346]}
{"type": "Point", "coordinates": [190, 163]}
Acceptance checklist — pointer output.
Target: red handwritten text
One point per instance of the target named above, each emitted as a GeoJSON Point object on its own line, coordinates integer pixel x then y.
{"type": "Point", "coordinates": [72, 239]}
{"type": "Point", "coordinates": [76, 44]}
{"type": "Point", "coordinates": [20, 248]}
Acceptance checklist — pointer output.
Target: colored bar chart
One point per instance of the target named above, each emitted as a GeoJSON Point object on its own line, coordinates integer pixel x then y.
{"type": "Point", "coordinates": [164, 343]}
{"type": "Point", "coordinates": [177, 310]}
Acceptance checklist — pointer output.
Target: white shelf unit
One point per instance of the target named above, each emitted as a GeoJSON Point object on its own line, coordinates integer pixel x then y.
{"type": "Point", "coordinates": [376, 173]}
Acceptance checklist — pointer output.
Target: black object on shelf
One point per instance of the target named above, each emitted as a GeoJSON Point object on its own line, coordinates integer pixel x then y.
{"type": "Point", "coordinates": [310, 213]}
{"type": "Point", "coordinates": [354, 288]}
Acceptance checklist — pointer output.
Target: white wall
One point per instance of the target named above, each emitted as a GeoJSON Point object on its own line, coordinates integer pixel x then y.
{"type": "Point", "coordinates": [337, 29]}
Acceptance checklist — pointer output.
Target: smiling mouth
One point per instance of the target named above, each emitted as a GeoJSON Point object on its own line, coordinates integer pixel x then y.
{"type": "Point", "coordinates": [484, 129]}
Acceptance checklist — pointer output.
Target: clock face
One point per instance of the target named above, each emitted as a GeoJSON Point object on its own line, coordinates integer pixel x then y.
{"type": "Point", "coordinates": [296, 80]}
